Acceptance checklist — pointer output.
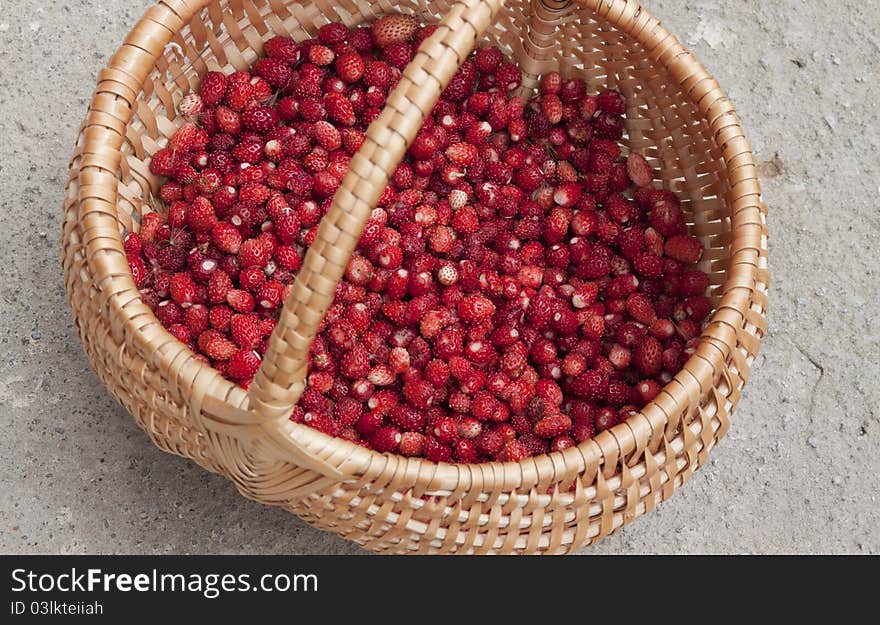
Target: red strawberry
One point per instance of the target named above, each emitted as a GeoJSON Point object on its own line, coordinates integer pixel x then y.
{"type": "Point", "coordinates": [282, 48]}
{"type": "Point", "coordinates": [339, 110]}
{"type": "Point", "coordinates": [332, 33]}
{"type": "Point", "coordinates": [183, 290]}
{"type": "Point", "coordinates": [243, 364]}
{"type": "Point", "coordinates": [253, 253]}
{"type": "Point", "coordinates": [239, 94]}
{"type": "Point", "coordinates": [273, 71]}
{"type": "Point", "coordinates": [487, 59]}
{"type": "Point", "coordinates": [395, 28]}
{"type": "Point", "coordinates": [639, 170]}
{"type": "Point", "coordinates": [350, 67]}
{"type": "Point", "coordinates": [246, 331]}
{"type": "Point", "coordinates": [551, 106]}
{"type": "Point", "coordinates": [398, 55]}
{"type": "Point", "coordinates": [611, 101]}
{"type": "Point", "coordinates": [552, 426]}
{"type": "Point", "coordinates": [162, 163]}
{"type": "Point", "coordinates": [200, 215]}
{"type": "Point", "coordinates": [213, 88]}
{"type": "Point", "coordinates": [321, 55]}
{"type": "Point", "coordinates": [684, 248]}
{"type": "Point", "coordinates": [138, 270]}
{"type": "Point", "coordinates": [647, 357]}
{"type": "Point", "coordinates": [226, 237]}
{"type": "Point", "coordinates": [377, 74]}
{"type": "Point", "coordinates": [640, 308]}
{"type": "Point", "coordinates": [219, 284]}
{"type": "Point", "coordinates": [270, 295]}
{"type": "Point", "coordinates": [259, 118]}
{"type": "Point", "coordinates": [462, 154]}
{"type": "Point", "coordinates": [214, 345]}
{"type": "Point", "coordinates": [475, 308]}
{"type": "Point", "coordinates": [386, 439]}
{"type": "Point", "coordinates": [240, 301]}
{"type": "Point", "coordinates": [355, 363]}
{"type": "Point", "coordinates": [327, 135]}
{"type": "Point", "coordinates": [228, 120]}
{"type": "Point", "coordinates": [591, 385]}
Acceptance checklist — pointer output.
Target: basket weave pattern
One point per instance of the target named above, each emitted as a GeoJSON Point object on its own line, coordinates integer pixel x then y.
{"type": "Point", "coordinates": [677, 117]}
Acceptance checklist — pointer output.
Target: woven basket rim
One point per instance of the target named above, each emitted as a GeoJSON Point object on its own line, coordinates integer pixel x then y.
{"type": "Point", "coordinates": [700, 86]}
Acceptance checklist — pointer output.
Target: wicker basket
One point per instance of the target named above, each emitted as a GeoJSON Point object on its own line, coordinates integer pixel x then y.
{"type": "Point", "coordinates": [677, 116]}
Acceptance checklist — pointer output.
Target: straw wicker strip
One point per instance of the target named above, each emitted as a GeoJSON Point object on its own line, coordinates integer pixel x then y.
{"type": "Point", "coordinates": [677, 116]}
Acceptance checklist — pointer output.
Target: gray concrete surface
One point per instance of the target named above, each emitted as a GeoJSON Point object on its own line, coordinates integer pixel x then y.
{"type": "Point", "coordinates": [798, 471]}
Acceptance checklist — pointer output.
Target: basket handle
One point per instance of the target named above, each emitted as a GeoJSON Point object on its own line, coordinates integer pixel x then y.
{"type": "Point", "coordinates": [280, 381]}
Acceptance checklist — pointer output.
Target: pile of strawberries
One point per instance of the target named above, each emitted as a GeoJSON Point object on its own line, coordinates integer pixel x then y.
{"type": "Point", "coordinates": [519, 286]}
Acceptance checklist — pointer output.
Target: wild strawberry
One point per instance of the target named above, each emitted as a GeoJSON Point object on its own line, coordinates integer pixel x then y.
{"type": "Point", "coordinates": [462, 154]}
{"type": "Point", "coordinates": [640, 308]}
{"type": "Point", "coordinates": [392, 29]}
{"type": "Point", "coordinates": [529, 178]}
{"type": "Point", "coordinates": [239, 94]}
{"type": "Point", "coordinates": [259, 118]}
{"type": "Point", "coordinates": [419, 393]}
{"type": "Point", "coordinates": [243, 364]}
{"type": "Point", "coordinates": [666, 218]}
{"type": "Point", "coordinates": [508, 76]}
{"type": "Point", "coordinates": [399, 55]}
{"type": "Point", "coordinates": [270, 295]}
{"type": "Point", "coordinates": [327, 135]}
{"type": "Point", "coordinates": [551, 82]}
{"type": "Point", "coordinates": [647, 390]}
{"type": "Point", "coordinates": [591, 385]}
{"type": "Point", "coordinates": [698, 308]}
{"type": "Point", "coordinates": [377, 74]}
{"type": "Point", "coordinates": [647, 357]}
{"type": "Point", "coordinates": [350, 67]}
{"type": "Point", "coordinates": [340, 111]}
{"type": "Point", "coordinates": [611, 102]}
{"type": "Point", "coordinates": [639, 170]}
{"type": "Point", "coordinates": [246, 331]}
{"type": "Point", "coordinates": [321, 55]}
{"type": "Point", "coordinates": [332, 33]}
{"type": "Point", "coordinates": [551, 106]}
{"type": "Point", "coordinates": [240, 301]}
{"type": "Point", "coordinates": [411, 444]}
{"type": "Point", "coordinates": [355, 363]}
{"type": "Point", "coordinates": [216, 346]}
{"type": "Point", "coordinates": [552, 425]}
{"type": "Point", "coordinates": [683, 248]}
{"type": "Point", "coordinates": [183, 290]}
{"type": "Point", "coordinates": [435, 451]}
{"type": "Point", "coordinates": [282, 48]}
{"type": "Point", "coordinates": [513, 451]}
{"type": "Point", "coordinates": [163, 162]}
{"type": "Point", "coordinates": [464, 451]}
{"type": "Point", "coordinates": [273, 71]}
{"type": "Point", "coordinates": [253, 253]}
{"type": "Point", "coordinates": [605, 419]}
{"type": "Point", "coordinates": [648, 265]}
{"type": "Point", "coordinates": [386, 439]}
{"type": "Point", "coordinates": [490, 442]}
{"type": "Point", "coordinates": [424, 146]}
{"type": "Point", "coordinates": [381, 375]}
{"type": "Point", "coordinates": [213, 88]}
{"type": "Point", "coordinates": [475, 308]}
{"type": "Point", "coordinates": [228, 120]}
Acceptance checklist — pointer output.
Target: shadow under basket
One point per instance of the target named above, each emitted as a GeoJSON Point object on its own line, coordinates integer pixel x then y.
{"type": "Point", "coordinates": [677, 116]}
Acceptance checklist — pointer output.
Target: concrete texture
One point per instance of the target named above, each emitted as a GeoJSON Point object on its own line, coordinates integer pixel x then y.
{"type": "Point", "coordinates": [798, 470]}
